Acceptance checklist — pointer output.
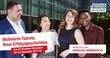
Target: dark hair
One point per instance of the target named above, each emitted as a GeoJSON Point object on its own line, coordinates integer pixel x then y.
{"type": "Point", "coordinates": [39, 22]}
{"type": "Point", "coordinates": [84, 10]}
{"type": "Point", "coordinates": [11, 3]}
{"type": "Point", "coordinates": [76, 21]}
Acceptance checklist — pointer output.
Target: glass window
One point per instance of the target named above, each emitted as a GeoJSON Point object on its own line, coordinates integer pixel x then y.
{"type": "Point", "coordinates": [47, 12]}
{"type": "Point", "coordinates": [35, 7]}
{"type": "Point", "coordinates": [35, 1]}
{"type": "Point", "coordinates": [3, 4]}
{"type": "Point", "coordinates": [35, 11]}
{"type": "Point", "coordinates": [47, 3]}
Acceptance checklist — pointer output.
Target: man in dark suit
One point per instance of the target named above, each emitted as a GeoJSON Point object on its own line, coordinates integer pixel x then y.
{"type": "Point", "coordinates": [92, 33]}
{"type": "Point", "coordinates": [12, 24]}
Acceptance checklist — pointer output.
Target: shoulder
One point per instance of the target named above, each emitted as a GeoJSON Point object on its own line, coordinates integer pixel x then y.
{"type": "Point", "coordinates": [61, 29]}
{"type": "Point", "coordinates": [52, 30]}
{"type": "Point", "coordinates": [3, 22]}
{"type": "Point", "coordinates": [21, 21]}
{"type": "Point", "coordinates": [98, 28]}
{"type": "Point", "coordinates": [77, 30]}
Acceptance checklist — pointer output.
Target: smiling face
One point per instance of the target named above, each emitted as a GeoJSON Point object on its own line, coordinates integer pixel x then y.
{"type": "Point", "coordinates": [69, 18]}
{"type": "Point", "coordinates": [85, 19]}
{"type": "Point", "coordinates": [45, 23]}
{"type": "Point", "coordinates": [15, 12]}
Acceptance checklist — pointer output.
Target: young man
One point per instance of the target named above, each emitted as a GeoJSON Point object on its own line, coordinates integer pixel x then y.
{"type": "Point", "coordinates": [12, 24]}
{"type": "Point", "coordinates": [92, 33]}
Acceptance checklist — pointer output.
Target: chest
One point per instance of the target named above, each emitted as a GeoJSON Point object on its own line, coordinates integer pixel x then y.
{"type": "Point", "coordinates": [90, 37]}
{"type": "Point", "coordinates": [67, 36]}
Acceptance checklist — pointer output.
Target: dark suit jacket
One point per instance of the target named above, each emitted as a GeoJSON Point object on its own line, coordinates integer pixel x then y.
{"type": "Point", "coordinates": [6, 28]}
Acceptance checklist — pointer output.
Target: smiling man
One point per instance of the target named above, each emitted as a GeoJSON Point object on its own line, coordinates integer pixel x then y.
{"type": "Point", "coordinates": [12, 24]}
{"type": "Point", "coordinates": [92, 33]}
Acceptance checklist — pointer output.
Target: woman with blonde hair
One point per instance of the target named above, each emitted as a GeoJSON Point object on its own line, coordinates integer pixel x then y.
{"type": "Point", "coordinates": [69, 34]}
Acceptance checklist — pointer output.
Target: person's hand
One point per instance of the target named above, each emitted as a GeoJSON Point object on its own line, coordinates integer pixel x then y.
{"type": "Point", "coordinates": [34, 55]}
{"type": "Point", "coordinates": [35, 31]}
{"type": "Point", "coordinates": [81, 55]}
{"type": "Point", "coordinates": [64, 53]}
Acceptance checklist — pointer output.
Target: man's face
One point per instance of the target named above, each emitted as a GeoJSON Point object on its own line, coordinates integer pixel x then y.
{"type": "Point", "coordinates": [16, 12]}
{"type": "Point", "coordinates": [85, 19]}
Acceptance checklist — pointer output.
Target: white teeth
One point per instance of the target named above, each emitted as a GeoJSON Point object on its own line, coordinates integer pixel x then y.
{"type": "Point", "coordinates": [69, 20]}
{"type": "Point", "coordinates": [84, 22]}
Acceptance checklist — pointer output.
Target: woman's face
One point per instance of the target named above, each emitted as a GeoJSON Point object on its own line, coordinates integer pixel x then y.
{"type": "Point", "coordinates": [69, 18]}
{"type": "Point", "coordinates": [45, 23]}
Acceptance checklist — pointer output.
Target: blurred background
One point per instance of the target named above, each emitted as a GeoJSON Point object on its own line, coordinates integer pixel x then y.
{"type": "Point", "coordinates": [55, 9]}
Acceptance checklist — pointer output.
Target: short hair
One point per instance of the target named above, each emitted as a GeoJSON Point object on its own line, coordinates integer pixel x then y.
{"type": "Point", "coordinates": [84, 10]}
{"type": "Point", "coordinates": [11, 3]}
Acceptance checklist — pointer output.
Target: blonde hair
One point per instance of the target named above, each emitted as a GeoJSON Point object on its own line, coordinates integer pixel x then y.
{"type": "Point", "coordinates": [76, 21]}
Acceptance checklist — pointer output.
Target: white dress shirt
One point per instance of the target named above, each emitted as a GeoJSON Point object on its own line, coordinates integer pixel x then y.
{"type": "Point", "coordinates": [18, 28]}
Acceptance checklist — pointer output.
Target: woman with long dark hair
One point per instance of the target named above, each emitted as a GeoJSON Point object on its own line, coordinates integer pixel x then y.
{"type": "Point", "coordinates": [44, 26]}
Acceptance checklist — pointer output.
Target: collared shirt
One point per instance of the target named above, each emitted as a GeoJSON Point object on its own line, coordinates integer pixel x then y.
{"type": "Point", "coordinates": [94, 35]}
{"type": "Point", "coordinates": [18, 28]}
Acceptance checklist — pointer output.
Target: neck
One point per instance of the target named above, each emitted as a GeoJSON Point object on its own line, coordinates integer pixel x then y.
{"type": "Point", "coordinates": [69, 27]}
{"type": "Point", "coordinates": [88, 26]}
{"type": "Point", "coordinates": [13, 20]}
{"type": "Point", "coordinates": [44, 30]}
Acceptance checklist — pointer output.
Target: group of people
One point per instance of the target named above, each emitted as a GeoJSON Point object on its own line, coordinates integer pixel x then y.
{"type": "Point", "coordinates": [76, 28]}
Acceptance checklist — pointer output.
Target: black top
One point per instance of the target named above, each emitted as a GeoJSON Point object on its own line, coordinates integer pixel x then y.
{"type": "Point", "coordinates": [66, 37]}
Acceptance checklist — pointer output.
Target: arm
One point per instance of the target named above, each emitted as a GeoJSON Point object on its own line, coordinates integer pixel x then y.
{"type": "Point", "coordinates": [79, 37]}
{"type": "Point", "coordinates": [100, 36]}
{"type": "Point", "coordinates": [80, 40]}
{"type": "Point", "coordinates": [34, 55]}
{"type": "Point", "coordinates": [35, 31]}
{"type": "Point", "coordinates": [56, 38]}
